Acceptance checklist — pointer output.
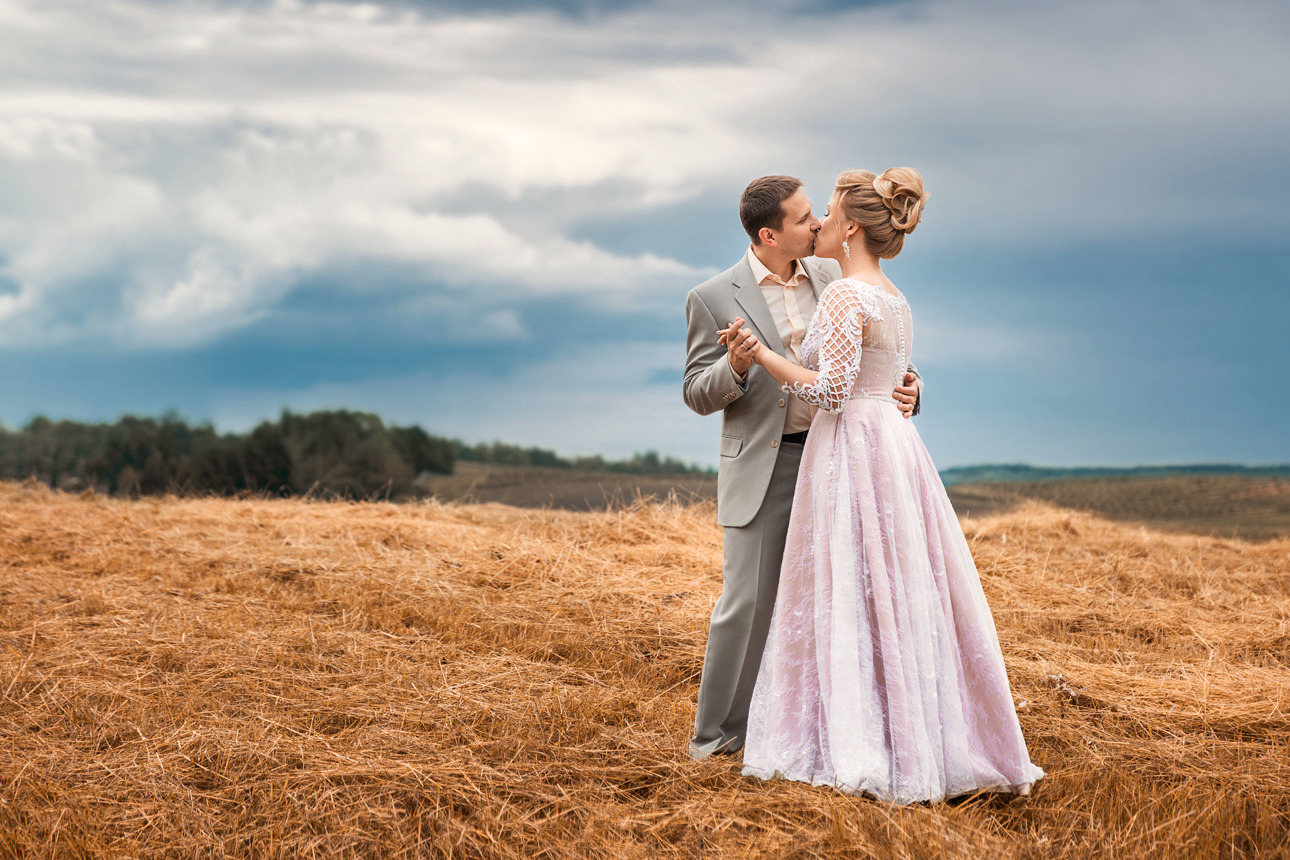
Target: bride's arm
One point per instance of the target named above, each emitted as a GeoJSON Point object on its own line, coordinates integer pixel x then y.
{"type": "Point", "coordinates": [842, 316]}
{"type": "Point", "coordinates": [783, 370]}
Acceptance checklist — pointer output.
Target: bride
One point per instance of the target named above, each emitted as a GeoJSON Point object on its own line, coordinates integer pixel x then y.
{"type": "Point", "coordinates": [882, 673]}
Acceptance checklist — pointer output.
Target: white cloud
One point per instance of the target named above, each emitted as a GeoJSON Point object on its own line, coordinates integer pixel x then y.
{"type": "Point", "coordinates": [178, 169]}
{"type": "Point", "coordinates": [192, 256]}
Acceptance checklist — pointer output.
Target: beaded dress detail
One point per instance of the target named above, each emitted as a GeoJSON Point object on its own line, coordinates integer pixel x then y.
{"type": "Point", "coordinates": [882, 672]}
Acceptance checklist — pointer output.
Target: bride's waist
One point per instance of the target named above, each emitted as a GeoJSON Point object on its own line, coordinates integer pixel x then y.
{"type": "Point", "coordinates": [879, 394]}
{"type": "Point", "coordinates": [877, 377]}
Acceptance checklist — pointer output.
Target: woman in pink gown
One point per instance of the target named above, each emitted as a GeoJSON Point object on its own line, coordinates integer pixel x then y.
{"type": "Point", "coordinates": [882, 673]}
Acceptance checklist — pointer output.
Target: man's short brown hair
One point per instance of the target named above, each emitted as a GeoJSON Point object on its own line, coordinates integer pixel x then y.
{"type": "Point", "coordinates": [762, 203]}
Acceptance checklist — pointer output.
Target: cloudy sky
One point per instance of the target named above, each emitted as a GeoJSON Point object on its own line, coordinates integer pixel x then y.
{"type": "Point", "coordinates": [483, 216]}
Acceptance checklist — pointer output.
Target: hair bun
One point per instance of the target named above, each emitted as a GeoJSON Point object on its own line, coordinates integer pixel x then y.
{"type": "Point", "coordinates": [886, 207]}
{"type": "Point", "coordinates": [901, 190]}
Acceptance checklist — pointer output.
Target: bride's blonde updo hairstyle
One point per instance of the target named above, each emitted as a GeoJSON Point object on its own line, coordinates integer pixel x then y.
{"type": "Point", "coordinates": [886, 207]}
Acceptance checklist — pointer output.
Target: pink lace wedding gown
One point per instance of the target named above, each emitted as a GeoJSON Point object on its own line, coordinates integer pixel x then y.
{"type": "Point", "coordinates": [882, 673]}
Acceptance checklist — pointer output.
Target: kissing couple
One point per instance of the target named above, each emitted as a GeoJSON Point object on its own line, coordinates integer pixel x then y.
{"type": "Point", "coordinates": [852, 645]}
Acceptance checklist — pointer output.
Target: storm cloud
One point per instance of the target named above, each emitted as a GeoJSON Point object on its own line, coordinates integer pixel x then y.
{"type": "Point", "coordinates": [462, 213]}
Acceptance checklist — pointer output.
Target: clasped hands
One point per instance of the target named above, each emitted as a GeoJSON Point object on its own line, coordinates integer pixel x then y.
{"type": "Point", "coordinates": [741, 345]}
{"type": "Point", "coordinates": [743, 350]}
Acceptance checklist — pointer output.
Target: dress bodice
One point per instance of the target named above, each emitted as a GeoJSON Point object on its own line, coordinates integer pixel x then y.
{"type": "Point", "coordinates": [859, 341]}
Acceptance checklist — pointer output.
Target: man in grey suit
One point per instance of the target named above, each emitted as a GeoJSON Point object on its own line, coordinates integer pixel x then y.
{"type": "Point", "coordinates": [768, 296]}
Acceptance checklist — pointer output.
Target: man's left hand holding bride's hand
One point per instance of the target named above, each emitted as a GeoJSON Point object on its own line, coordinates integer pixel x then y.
{"type": "Point", "coordinates": [743, 344]}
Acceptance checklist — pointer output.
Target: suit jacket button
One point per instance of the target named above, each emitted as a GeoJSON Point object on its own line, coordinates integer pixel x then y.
{"type": "Point", "coordinates": [774, 443]}
{"type": "Point", "coordinates": [781, 401]}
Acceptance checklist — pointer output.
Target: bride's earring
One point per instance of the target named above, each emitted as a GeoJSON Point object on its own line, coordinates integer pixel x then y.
{"type": "Point", "coordinates": [846, 249]}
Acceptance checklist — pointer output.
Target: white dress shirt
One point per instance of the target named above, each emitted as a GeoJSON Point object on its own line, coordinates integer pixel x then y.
{"type": "Point", "coordinates": [792, 305]}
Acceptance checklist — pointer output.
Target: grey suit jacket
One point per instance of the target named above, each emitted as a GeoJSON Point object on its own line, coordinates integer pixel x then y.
{"type": "Point", "coordinates": [752, 415]}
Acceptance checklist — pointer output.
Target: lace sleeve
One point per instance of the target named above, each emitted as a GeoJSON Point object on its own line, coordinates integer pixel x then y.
{"type": "Point", "coordinates": [838, 329]}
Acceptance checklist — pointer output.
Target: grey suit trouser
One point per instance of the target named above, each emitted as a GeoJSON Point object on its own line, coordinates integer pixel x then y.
{"type": "Point", "coordinates": [751, 558]}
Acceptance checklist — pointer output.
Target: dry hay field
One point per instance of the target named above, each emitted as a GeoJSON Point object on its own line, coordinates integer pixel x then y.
{"type": "Point", "coordinates": [567, 489]}
{"type": "Point", "coordinates": [255, 678]}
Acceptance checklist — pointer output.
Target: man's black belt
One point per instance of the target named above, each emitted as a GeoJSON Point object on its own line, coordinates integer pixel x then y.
{"type": "Point", "coordinates": [794, 438]}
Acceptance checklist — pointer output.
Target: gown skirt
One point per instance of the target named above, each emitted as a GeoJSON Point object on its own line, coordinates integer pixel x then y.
{"type": "Point", "coordinates": [882, 672]}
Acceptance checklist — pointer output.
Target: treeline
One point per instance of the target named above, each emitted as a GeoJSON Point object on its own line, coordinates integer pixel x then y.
{"type": "Point", "coordinates": [341, 452]}
{"type": "Point", "coordinates": [332, 453]}
{"type": "Point", "coordinates": [648, 463]}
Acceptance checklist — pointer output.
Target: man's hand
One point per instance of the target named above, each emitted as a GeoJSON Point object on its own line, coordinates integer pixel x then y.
{"type": "Point", "coordinates": [907, 395]}
{"type": "Point", "coordinates": [740, 344]}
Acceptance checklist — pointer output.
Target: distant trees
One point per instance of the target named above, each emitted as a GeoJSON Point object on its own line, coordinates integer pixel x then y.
{"type": "Point", "coordinates": [648, 463]}
{"type": "Point", "coordinates": [426, 453]}
{"type": "Point", "coordinates": [340, 452]}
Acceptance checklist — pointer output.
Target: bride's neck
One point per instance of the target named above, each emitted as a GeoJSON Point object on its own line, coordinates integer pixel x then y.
{"type": "Point", "coordinates": [862, 266]}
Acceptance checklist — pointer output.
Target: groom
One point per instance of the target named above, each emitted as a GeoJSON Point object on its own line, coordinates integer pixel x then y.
{"type": "Point", "coordinates": [771, 293]}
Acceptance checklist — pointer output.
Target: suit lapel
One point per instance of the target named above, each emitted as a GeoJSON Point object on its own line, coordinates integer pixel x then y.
{"type": "Point", "coordinates": [819, 277]}
{"type": "Point", "coordinates": [748, 296]}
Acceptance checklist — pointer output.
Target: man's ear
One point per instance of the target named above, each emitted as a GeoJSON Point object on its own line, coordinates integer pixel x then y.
{"type": "Point", "coordinates": [767, 237]}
